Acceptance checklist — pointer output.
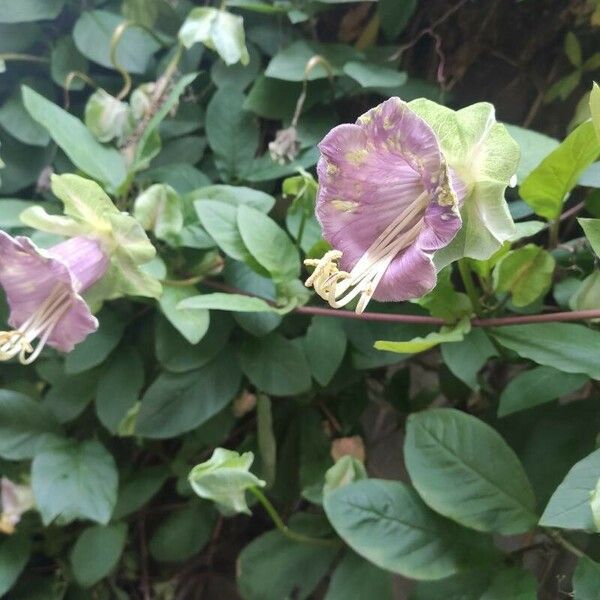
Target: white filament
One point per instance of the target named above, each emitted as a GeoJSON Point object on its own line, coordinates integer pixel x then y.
{"type": "Point", "coordinates": [40, 325]}
{"type": "Point", "coordinates": [340, 287]}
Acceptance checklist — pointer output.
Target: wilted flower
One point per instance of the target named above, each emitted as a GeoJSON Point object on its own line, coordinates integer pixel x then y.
{"type": "Point", "coordinates": [387, 201]}
{"type": "Point", "coordinates": [43, 290]}
{"type": "Point", "coordinates": [16, 500]}
{"type": "Point", "coordinates": [285, 147]}
{"type": "Point", "coordinates": [348, 446]}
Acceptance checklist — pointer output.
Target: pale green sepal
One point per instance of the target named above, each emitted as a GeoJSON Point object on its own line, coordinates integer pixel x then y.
{"type": "Point", "coordinates": [224, 479]}
{"type": "Point", "coordinates": [595, 505]}
{"type": "Point", "coordinates": [37, 218]}
{"type": "Point", "coordinates": [485, 158]}
{"type": "Point", "coordinates": [108, 118]}
{"type": "Point", "coordinates": [345, 471]}
{"type": "Point", "coordinates": [218, 30]}
{"type": "Point", "coordinates": [90, 212]}
{"type": "Point", "coordinates": [159, 209]}
{"type": "Point", "coordinates": [595, 108]}
{"type": "Point", "coordinates": [455, 333]}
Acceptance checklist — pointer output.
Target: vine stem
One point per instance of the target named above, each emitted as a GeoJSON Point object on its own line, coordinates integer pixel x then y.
{"type": "Point", "coordinates": [576, 315]}
{"type": "Point", "coordinates": [557, 537]}
{"type": "Point", "coordinates": [283, 528]}
{"type": "Point", "coordinates": [467, 279]}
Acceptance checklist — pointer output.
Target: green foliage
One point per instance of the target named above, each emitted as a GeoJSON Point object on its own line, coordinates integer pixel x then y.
{"type": "Point", "coordinates": [465, 471]}
{"type": "Point", "coordinates": [223, 428]}
{"type": "Point", "coordinates": [385, 521]}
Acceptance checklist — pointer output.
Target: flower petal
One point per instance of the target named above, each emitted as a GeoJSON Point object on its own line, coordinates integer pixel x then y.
{"type": "Point", "coordinates": [29, 276]}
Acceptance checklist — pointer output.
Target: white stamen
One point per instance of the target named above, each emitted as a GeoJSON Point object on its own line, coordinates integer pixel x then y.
{"type": "Point", "coordinates": [40, 324]}
{"type": "Point", "coordinates": [340, 287]}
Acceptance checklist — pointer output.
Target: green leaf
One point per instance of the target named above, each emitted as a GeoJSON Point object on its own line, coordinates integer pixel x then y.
{"type": "Point", "coordinates": [74, 138]}
{"type": "Point", "coordinates": [218, 30]}
{"type": "Point", "coordinates": [357, 578]}
{"type": "Point", "coordinates": [192, 324]}
{"type": "Point", "coordinates": [595, 108]}
{"type": "Point", "coordinates": [444, 301]}
{"type": "Point", "coordinates": [232, 133]}
{"type": "Point", "coordinates": [514, 583]}
{"type": "Point", "coordinates": [272, 567]}
{"type": "Point", "coordinates": [275, 365]}
{"type": "Point", "coordinates": [465, 359]}
{"type": "Point", "coordinates": [394, 16]}
{"type": "Point", "coordinates": [537, 386]}
{"type": "Point", "coordinates": [526, 273]}
{"type": "Point", "coordinates": [238, 75]}
{"type": "Point", "coordinates": [97, 552]}
{"type": "Point", "coordinates": [171, 404]}
{"type": "Point", "coordinates": [591, 228]}
{"type": "Point", "coordinates": [142, 148]}
{"type": "Point", "coordinates": [567, 347]}
{"type": "Point", "coordinates": [455, 333]}
{"type": "Point", "coordinates": [271, 247]}
{"type": "Point", "coordinates": [66, 59]}
{"type": "Point", "coordinates": [74, 480]}
{"type": "Point", "coordinates": [119, 387]}
{"type": "Point", "coordinates": [25, 426]}
{"type": "Point", "coordinates": [569, 507]}
{"type": "Point", "coordinates": [14, 554]}
{"type": "Point", "coordinates": [224, 479]}
{"type": "Point", "coordinates": [464, 470]}
{"type": "Point", "coordinates": [235, 195]}
{"type": "Point", "coordinates": [29, 10]}
{"type": "Point", "coordinates": [548, 185]}
{"type": "Point", "coordinates": [96, 347]}
{"type": "Point", "coordinates": [93, 34]}
{"type": "Point", "coordinates": [586, 579]}
{"type": "Point", "coordinates": [138, 490]}
{"type": "Point", "coordinates": [227, 302]}
{"type": "Point", "coordinates": [587, 296]}
{"type": "Point", "coordinates": [220, 220]}
{"type": "Point", "coordinates": [179, 356]}
{"type": "Point", "coordinates": [388, 524]}
{"type": "Point", "coordinates": [15, 119]}
{"type": "Point", "coordinates": [573, 49]}
{"type": "Point", "coordinates": [267, 442]}
{"type": "Point", "coordinates": [325, 347]}
{"type": "Point", "coordinates": [534, 148]}
{"type": "Point", "coordinates": [373, 75]}
{"type": "Point", "coordinates": [183, 533]}
{"type": "Point", "coordinates": [290, 63]}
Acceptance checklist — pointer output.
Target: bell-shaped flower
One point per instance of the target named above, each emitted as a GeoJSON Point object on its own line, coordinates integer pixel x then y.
{"type": "Point", "coordinates": [224, 479]}
{"type": "Point", "coordinates": [108, 117]}
{"type": "Point", "coordinates": [16, 500]}
{"type": "Point", "coordinates": [391, 197]}
{"type": "Point", "coordinates": [387, 201]}
{"type": "Point", "coordinates": [43, 290]}
{"type": "Point", "coordinates": [49, 292]}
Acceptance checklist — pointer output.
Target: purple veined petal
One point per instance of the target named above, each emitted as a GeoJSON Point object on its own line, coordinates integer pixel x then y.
{"type": "Point", "coordinates": [384, 189]}
{"type": "Point", "coordinates": [43, 293]}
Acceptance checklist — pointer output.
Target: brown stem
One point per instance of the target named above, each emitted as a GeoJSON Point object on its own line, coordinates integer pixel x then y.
{"type": "Point", "coordinates": [576, 315]}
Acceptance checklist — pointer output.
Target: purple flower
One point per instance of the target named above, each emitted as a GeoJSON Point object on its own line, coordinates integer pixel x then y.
{"type": "Point", "coordinates": [43, 290]}
{"type": "Point", "coordinates": [387, 201]}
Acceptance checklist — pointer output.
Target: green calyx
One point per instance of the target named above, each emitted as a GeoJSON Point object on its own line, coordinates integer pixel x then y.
{"type": "Point", "coordinates": [485, 157]}
{"type": "Point", "coordinates": [89, 212]}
